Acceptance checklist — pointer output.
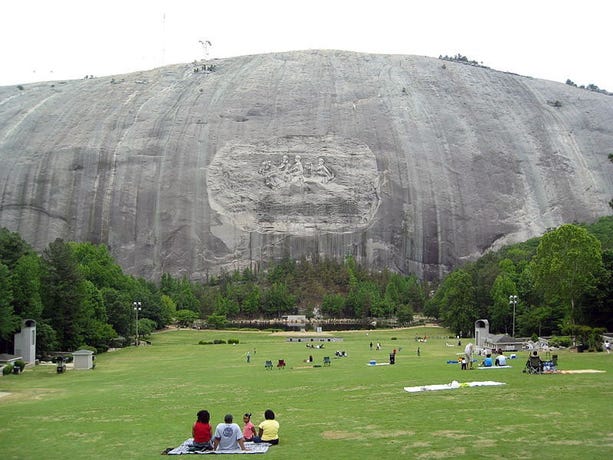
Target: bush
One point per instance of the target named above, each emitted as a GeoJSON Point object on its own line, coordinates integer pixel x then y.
{"type": "Point", "coordinates": [558, 342]}
{"type": "Point", "coordinates": [233, 341]}
{"type": "Point", "coordinates": [218, 341]}
{"type": "Point", "coordinates": [7, 369]}
{"type": "Point", "coordinates": [21, 364]}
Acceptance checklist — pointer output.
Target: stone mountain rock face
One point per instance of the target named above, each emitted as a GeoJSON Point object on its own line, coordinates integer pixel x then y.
{"type": "Point", "coordinates": [405, 162]}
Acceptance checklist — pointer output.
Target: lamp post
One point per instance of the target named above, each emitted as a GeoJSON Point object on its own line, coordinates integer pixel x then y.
{"type": "Point", "coordinates": [137, 308]}
{"type": "Point", "coordinates": [513, 301]}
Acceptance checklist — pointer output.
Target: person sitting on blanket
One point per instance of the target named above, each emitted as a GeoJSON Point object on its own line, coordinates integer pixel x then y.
{"type": "Point", "coordinates": [201, 431]}
{"type": "Point", "coordinates": [268, 430]}
{"type": "Point", "coordinates": [248, 428]}
{"type": "Point", "coordinates": [487, 362]}
{"type": "Point", "coordinates": [228, 436]}
{"type": "Point", "coordinates": [501, 359]}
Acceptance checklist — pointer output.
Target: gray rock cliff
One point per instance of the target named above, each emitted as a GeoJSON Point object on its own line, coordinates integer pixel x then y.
{"type": "Point", "coordinates": [405, 162]}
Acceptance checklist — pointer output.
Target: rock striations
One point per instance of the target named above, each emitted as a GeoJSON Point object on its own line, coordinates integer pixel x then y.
{"type": "Point", "coordinates": [405, 162]}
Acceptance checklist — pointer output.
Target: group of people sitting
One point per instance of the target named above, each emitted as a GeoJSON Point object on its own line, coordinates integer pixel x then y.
{"type": "Point", "coordinates": [501, 360]}
{"type": "Point", "coordinates": [229, 436]}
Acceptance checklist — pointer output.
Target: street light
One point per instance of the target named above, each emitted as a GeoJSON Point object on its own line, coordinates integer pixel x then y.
{"type": "Point", "coordinates": [137, 308]}
{"type": "Point", "coordinates": [513, 301]}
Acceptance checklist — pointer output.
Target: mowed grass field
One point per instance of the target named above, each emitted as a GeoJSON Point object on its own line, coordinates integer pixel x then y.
{"type": "Point", "coordinates": [139, 401]}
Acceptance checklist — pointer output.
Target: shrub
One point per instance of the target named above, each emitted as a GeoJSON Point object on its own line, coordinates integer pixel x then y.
{"type": "Point", "coordinates": [563, 341]}
{"type": "Point", "coordinates": [20, 363]}
{"type": "Point", "coordinates": [233, 341]}
{"type": "Point", "coordinates": [7, 369]}
{"type": "Point", "coordinates": [218, 341]}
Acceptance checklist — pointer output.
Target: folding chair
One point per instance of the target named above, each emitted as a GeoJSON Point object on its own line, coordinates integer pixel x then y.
{"type": "Point", "coordinates": [268, 365]}
{"type": "Point", "coordinates": [327, 361]}
{"type": "Point", "coordinates": [534, 365]}
{"type": "Point", "coordinates": [281, 364]}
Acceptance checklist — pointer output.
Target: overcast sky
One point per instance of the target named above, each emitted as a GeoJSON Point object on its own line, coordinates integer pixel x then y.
{"type": "Point", "coordinates": [67, 39]}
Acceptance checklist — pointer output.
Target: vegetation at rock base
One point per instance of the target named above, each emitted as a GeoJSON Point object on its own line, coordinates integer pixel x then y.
{"type": "Point", "coordinates": [79, 295]}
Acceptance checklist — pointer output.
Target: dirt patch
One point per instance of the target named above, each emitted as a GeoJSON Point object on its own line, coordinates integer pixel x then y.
{"type": "Point", "coordinates": [451, 434]}
{"type": "Point", "coordinates": [3, 393]}
{"type": "Point", "coordinates": [352, 435]}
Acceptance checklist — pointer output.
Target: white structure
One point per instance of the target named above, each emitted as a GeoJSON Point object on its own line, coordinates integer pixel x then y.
{"type": "Point", "coordinates": [482, 332]}
{"type": "Point", "coordinates": [83, 359]}
{"type": "Point", "coordinates": [485, 340]}
{"type": "Point", "coordinates": [25, 341]}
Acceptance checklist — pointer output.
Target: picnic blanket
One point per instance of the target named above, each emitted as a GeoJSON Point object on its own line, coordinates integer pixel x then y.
{"type": "Point", "coordinates": [580, 371]}
{"type": "Point", "coordinates": [185, 448]}
{"type": "Point", "coordinates": [494, 367]}
{"type": "Point", "coordinates": [450, 386]}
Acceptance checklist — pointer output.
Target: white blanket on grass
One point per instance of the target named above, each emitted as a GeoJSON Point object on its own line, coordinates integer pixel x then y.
{"type": "Point", "coordinates": [494, 367]}
{"type": "Point", "coordinates": [253, 448]}
{"type": "Point", "coordinates": [450, 386]}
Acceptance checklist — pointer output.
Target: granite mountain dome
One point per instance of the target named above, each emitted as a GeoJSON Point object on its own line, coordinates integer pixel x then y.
{"type": "Point", "coordinates": [405, 162]}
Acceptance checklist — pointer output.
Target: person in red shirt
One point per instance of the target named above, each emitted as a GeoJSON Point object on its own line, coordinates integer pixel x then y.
{"type": "Point", "coordinates": [201, 431]}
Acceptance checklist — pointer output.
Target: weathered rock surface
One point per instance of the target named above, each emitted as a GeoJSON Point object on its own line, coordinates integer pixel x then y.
{"type": "Point", "coordinates": [401, 161]}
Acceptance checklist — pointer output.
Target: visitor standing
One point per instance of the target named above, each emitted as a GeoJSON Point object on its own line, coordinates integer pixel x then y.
{"type": "Point", "coordinates": [469, 349]}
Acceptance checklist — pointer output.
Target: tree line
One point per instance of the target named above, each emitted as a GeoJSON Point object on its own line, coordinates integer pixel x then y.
{"type": "Point", "coordinates": [79, 296]}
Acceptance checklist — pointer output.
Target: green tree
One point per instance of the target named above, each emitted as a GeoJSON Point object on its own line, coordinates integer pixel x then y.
{"type": "Point", "coordinates": [185, 318]}
{"type": "Point", "coordinates": [98, 266]}
{"type": "Point", "coordinates": [119, 310]}
{"type": "Point", "coordinates": [63, 294]}
{"type": "Point", "coordinates": [404, 290]}
{"type": "Point", "coordinates": [597, 304]}
{"type": "Point", "coordinates": [46, 339]}
{"type": "Point", "coordinates": [26, 282]}
{"type": "Point", "coordinates": [169, 308]}
{"type": "Point", "coordinates": [457, 305]}
{"type": "Point", "coordinates": [566, 265]}
{"type": "Point", "coordinates": [8, 320]}
{"type": "Point", "coordinates": [216, 321]}
{"type": "Point", "coordinates": [12, 247]}
{"type": "Point", "coordinates": [226, 307]}
{"type": "Point", "coordinates": [145, 328]}
{"type": "Point", "coordinates": [404, 313]}
{"type": "Point", "coordinates": [501, 312]}
{"type": "Point", "coordinates": [332, 305]}
{"type": "Point", "coordinates": [250, 305]}
{"type": "Point", "coordinates": [277, 300]}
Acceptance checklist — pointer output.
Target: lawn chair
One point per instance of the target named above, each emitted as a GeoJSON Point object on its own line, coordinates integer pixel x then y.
{"type": "Point", "coordinates": [281, 364]}
{"type": "Point", "coordinates": [327, 361]}
{"type": "Point", "coordinates": [268, 365]}
{"type": "Point", "coordinates": [534, 365]}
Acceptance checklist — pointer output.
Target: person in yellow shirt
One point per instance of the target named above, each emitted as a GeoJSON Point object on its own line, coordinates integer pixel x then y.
{"type": "Point", "coordinates": [268, 430]}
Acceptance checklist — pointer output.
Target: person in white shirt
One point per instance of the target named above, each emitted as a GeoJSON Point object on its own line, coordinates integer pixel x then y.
{"type": "Point", "coordinates": [501, 360]}
{"type": "Point", "coordinates": [228, 436]}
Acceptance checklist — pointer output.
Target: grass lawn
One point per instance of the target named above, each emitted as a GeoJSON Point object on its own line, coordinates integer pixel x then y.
{"type": "Point", "coordinates": [138, 401]}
